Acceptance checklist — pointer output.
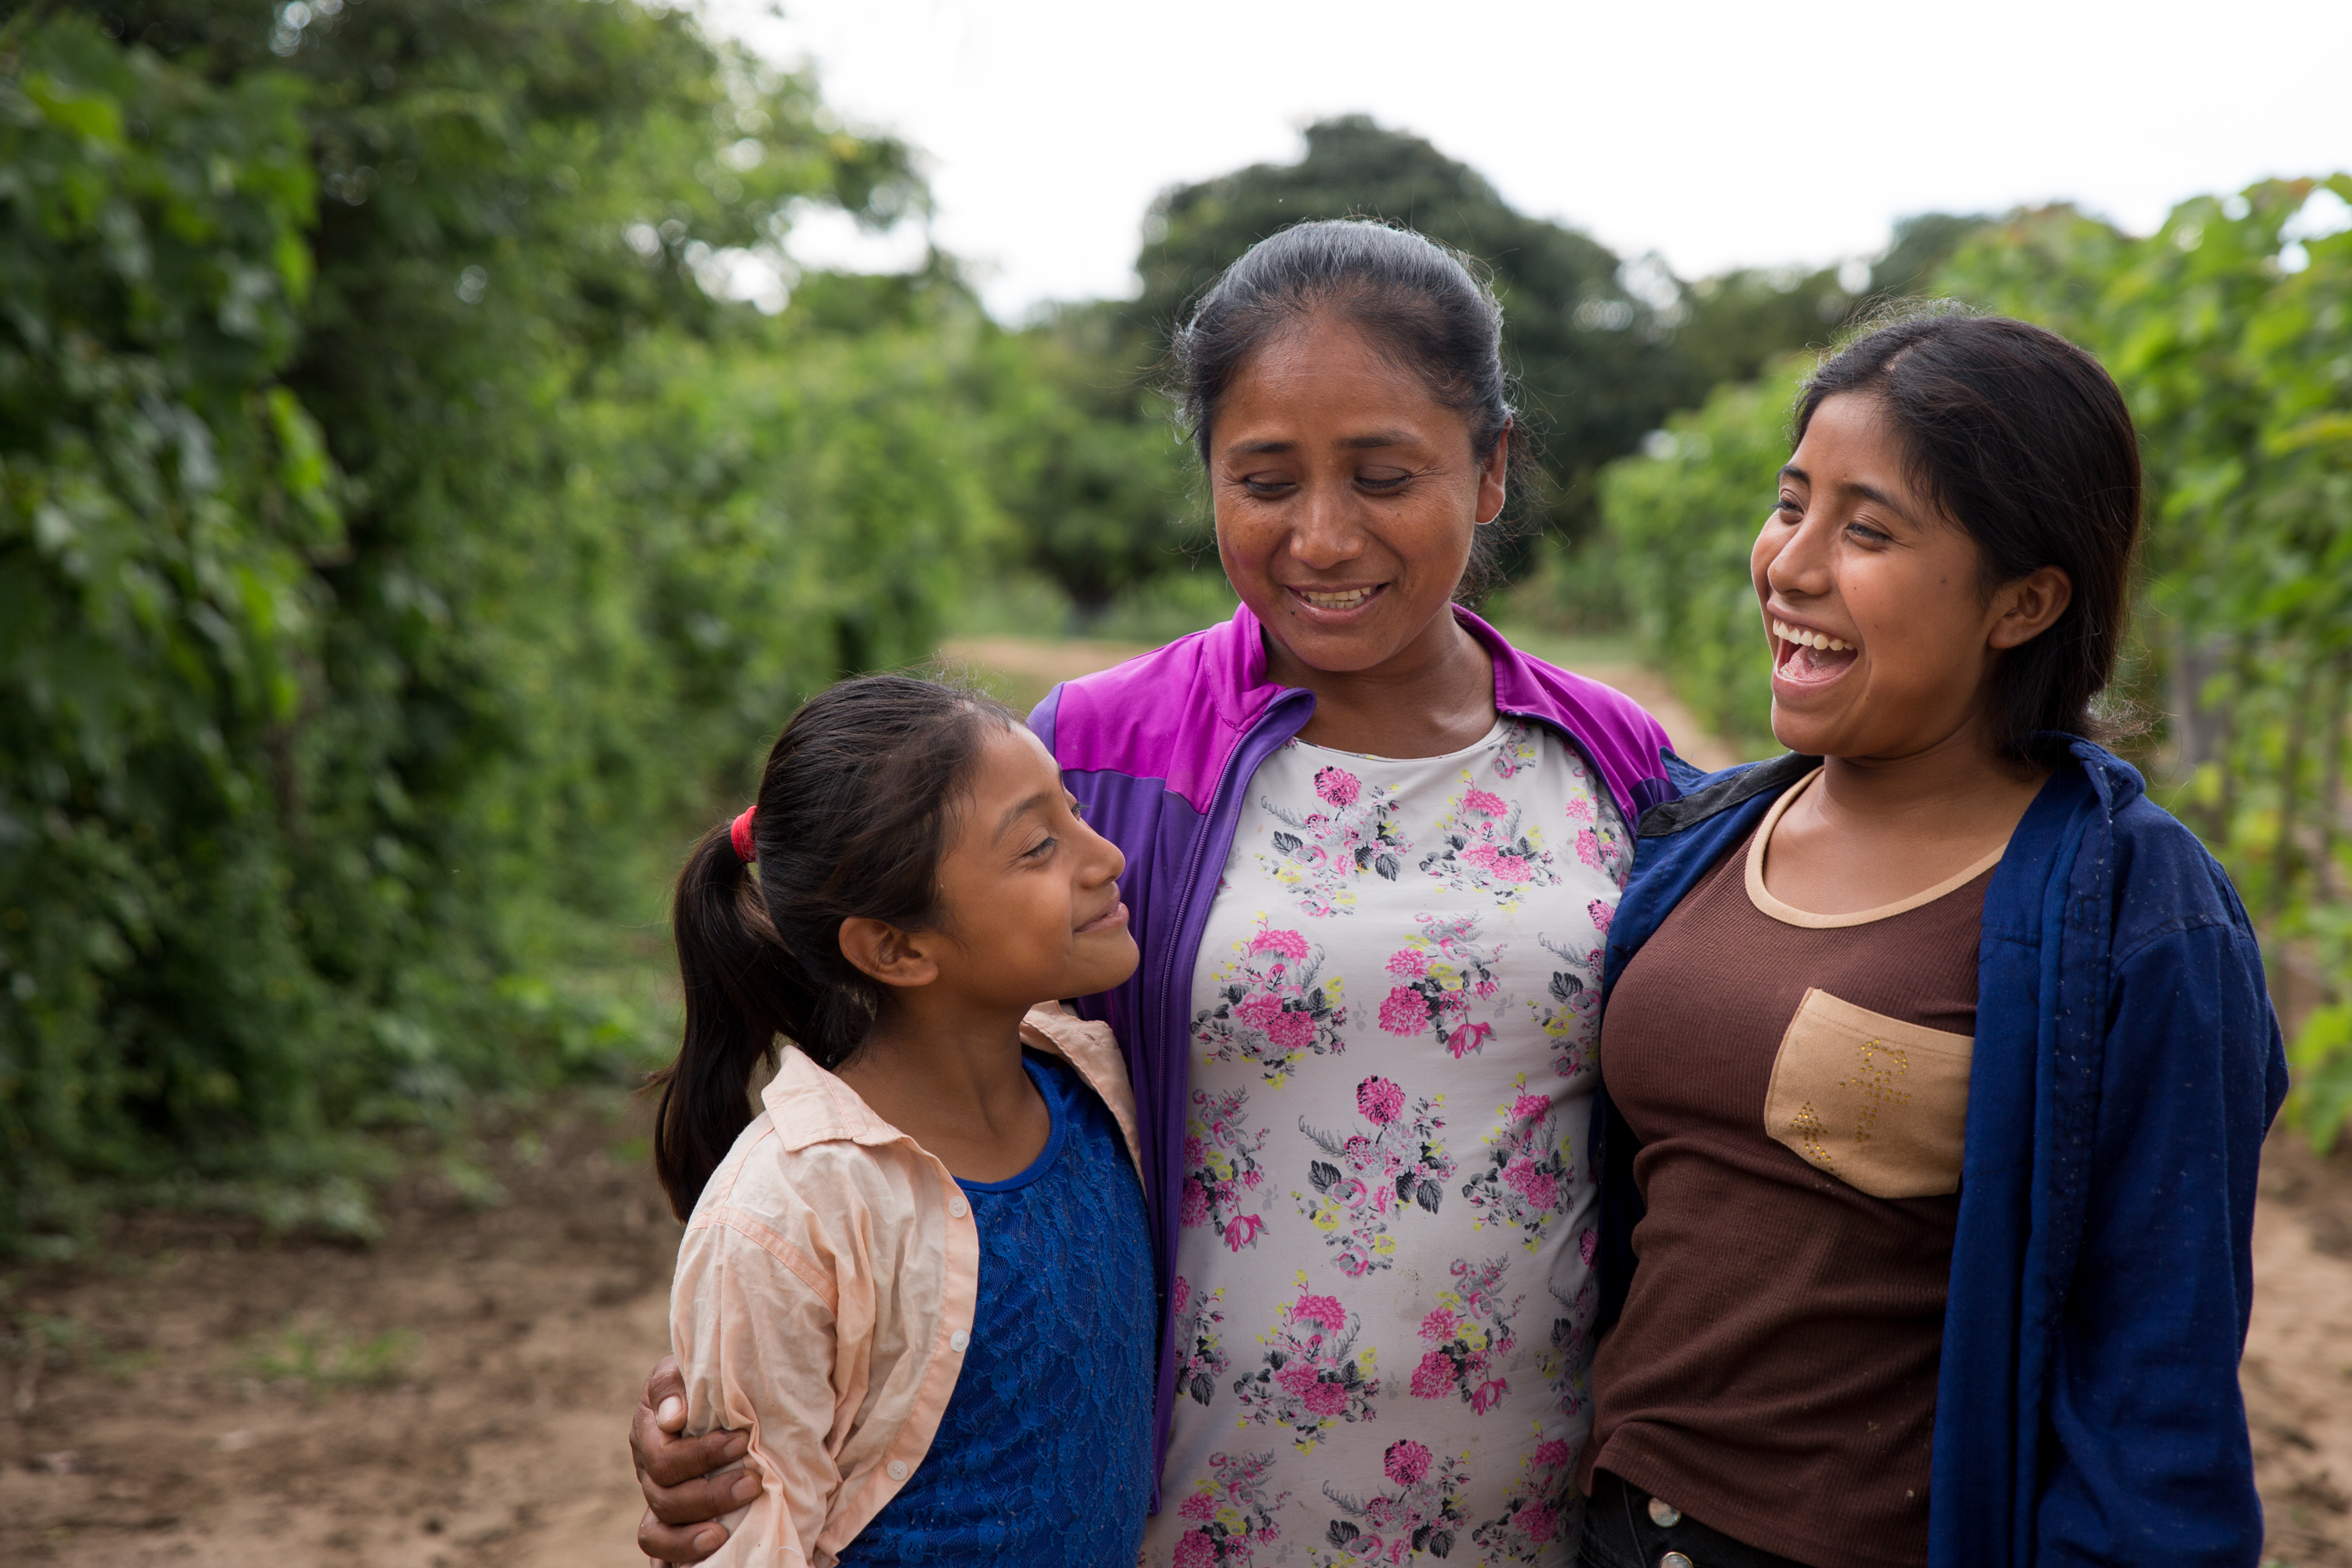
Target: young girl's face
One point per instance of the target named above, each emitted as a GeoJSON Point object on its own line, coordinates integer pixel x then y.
{"type": "Point", "coordinates": [1029, 894]}
{"type": "Point", "coordinates": [1854, 556]}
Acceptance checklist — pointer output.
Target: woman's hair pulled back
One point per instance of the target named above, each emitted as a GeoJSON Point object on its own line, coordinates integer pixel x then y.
{"type": "Point", "coordinates": [854, 811]}
{"type": "Point", "coordinates": [2024, 440]}
{"type": "Point", "coordinates": [1418, 304]}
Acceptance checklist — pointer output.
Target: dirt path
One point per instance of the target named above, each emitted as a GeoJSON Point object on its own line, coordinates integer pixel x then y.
{"type": "Point", "coordinates": [459, 1394]}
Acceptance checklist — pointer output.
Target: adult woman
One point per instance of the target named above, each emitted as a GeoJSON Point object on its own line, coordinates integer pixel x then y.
{"type": "Point", "coordinates": [1938, 1056]}
{"type": "Point", "coordinates": [1371, 853]}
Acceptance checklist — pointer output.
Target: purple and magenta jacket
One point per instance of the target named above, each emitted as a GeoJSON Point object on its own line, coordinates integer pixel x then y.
{"type": "Point", "coordinates": [1161, 751]}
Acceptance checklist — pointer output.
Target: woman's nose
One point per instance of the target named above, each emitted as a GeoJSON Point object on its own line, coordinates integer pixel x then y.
{"type": "Point", "coordinates": [1802, 565]}
{"type": "Point", "coordinates": [1324, 533]}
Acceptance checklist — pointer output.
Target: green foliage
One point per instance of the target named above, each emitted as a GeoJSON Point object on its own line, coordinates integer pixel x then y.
{"type": "Point", "coordinates": [2230, 331]}
{"type": "Point", "coordinates": [1680, 520]}
{"type": "Point", "coordinates": [399, 530]}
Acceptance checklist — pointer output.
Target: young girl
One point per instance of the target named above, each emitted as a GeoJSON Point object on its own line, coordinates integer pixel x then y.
{"type": "Point", "coordinates": [918, 1280]}
{"type": "Point", "coordinates": [1939, 1055]}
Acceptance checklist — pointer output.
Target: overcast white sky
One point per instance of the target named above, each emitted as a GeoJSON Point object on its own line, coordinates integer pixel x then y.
{"type": "Point", "coordinates": [1714, 132]}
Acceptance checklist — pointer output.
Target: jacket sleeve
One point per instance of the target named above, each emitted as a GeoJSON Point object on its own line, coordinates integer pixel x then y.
{"type": "Point", "coordinates": [2145, 1452]}
{"type": "Point", "coordinates": [756, 1343]}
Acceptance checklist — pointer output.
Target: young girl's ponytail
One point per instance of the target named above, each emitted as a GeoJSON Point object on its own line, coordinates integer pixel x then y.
{"type": "Point", "coordinates": [851, 821]}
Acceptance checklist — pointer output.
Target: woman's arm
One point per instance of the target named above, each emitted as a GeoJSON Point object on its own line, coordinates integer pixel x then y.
{"type": "Point", "coordinates": [2146, 1453]}
{"type": "Point", "coordinates": [756, 1344]}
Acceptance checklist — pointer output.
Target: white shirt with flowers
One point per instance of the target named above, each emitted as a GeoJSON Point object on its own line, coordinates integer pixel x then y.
{"type": "Point", "coordinates": [1384, 1291]}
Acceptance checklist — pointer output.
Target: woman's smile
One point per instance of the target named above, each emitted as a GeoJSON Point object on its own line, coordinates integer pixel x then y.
{"type": "Point", "coordinates": [1335, 605]}
{"type": "Point", "coordinates": [1806, 658]}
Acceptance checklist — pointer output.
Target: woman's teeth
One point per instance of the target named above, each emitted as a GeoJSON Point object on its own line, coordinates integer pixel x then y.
{"type": "Point", "coordinates": [1804, 638]}
{"type": "Point", "coordinates": [1346, 600]}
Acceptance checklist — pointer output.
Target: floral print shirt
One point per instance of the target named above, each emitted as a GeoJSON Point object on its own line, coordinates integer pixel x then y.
{"type": "Point", "coordinates": [1384, 1293]}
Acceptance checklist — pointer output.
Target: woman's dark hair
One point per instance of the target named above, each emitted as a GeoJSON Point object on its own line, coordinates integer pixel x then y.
{"type": "Point", "coordinates": [1418, 304]}
{"type": "Point", "coordinates": [2024, 440]}
{"type": "Point", "coordinates": [854, 815]}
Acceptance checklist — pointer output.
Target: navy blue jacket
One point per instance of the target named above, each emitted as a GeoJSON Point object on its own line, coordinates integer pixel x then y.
{"type": "Point", "coordinates": [2128, 1065]}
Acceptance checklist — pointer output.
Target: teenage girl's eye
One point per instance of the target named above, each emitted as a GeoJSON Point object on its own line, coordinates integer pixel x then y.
{"type": "Point", "coordinates": [1862, 534]}
{"type": "Point", "coordinates": [1788, 509]}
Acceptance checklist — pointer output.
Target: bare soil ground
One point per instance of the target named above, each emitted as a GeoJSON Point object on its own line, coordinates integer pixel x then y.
{"type": "Point", "coordinates": [460, 1393]}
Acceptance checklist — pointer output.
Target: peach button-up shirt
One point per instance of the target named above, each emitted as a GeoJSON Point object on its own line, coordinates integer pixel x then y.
{"type": "Point", "coordinates": [824, 1295]}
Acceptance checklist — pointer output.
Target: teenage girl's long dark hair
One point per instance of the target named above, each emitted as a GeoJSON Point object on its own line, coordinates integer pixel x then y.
{"type": "Point", "coordinates": [851, 819]}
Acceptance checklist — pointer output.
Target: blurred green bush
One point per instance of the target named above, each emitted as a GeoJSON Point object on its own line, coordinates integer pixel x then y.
{"type": "Point", "coordinates": [401, 534]}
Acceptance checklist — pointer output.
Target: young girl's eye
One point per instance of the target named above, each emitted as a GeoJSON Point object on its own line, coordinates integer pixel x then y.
{"type": "Point", "coordinates": [1040, 850]}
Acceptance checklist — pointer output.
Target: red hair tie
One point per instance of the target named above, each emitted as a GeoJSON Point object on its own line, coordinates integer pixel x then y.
{"type": "Point", "coordinates": [740, 834]}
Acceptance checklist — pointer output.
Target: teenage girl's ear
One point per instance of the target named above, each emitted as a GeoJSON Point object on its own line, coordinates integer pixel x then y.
{"type": "Point", "coordinates": [894, 957]}
{"type": "Point", "coordinates": [2027, 607]}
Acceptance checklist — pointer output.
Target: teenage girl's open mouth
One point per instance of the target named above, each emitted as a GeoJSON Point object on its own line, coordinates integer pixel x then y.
{"type": "Point", "coordinates": [1807, 656]}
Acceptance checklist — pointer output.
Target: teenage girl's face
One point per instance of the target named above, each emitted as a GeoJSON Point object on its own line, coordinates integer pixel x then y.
{"type": "Point", "coordinates": [1029, 893]}
{"type": "Point", "coordinates": [1346, 496]}
{"type": "Point", "coordinates": [1883, 640]}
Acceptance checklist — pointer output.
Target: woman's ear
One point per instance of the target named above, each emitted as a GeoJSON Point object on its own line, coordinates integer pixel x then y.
{"type": "Point", "coordinates": [894, 957]}
{"type": "Point", "coordinates": [2029, 605]}
{"type": "Point", "coordinates": [1493, 477]}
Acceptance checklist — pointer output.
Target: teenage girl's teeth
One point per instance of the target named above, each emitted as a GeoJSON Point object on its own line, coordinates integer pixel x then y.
{"type": "Point", "coordinates": [1787, 633]}
{"type": "Point", "coordinates": [1347, 601]}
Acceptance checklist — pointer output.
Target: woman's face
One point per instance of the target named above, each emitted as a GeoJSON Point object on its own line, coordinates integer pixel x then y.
{"type": "Point", "coordinates": [1346, 495]}
{"type": "Point", "coordinates": [1854, 557]}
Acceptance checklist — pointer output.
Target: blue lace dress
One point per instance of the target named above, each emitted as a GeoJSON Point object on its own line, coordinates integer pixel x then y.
{"type": "Point", "coordinates": [1044, 1456]}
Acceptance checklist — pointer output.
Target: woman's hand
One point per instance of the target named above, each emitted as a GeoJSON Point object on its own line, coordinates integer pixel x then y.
{"type": "Point", "coordinates": [683, 1499]}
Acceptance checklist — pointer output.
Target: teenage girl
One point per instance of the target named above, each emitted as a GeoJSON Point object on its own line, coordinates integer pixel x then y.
{"type": "Point", "coordinates": [917, 1281]}
{"type": "Point", "coordinates": [1939, 1055]}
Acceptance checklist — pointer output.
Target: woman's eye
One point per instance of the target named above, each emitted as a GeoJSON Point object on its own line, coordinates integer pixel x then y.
{"type": "Point", "coordinates": [1787, 510]}
{"type": "Point", "coordinates": [1864, 534]}
{"type": "Point", "coordinates": [1383, 481]}
{"type": "Point", "coordinates": [1259, 485]}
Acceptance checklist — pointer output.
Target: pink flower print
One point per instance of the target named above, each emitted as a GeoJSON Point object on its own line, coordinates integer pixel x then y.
{"type": "Point", "coordinates": [1320, 854]}
{"type": "Point", "coordinates": [1540, 1504]}
{"type": "Point", "coordinates": [1337, 785]}
{"type": "Point", "coordinates": [1435, 1376]}
{"type": "Point", "coordinates": [1579, 808]}
{"type": "Point", "coordinates": [1418, 1515]}
{"type": "Point", "coordinates": [1588, 1246]}
{"type": "Point", "coordinates": [1271, 1006]}
{"type": "Point", "coordinates": [1526, 1173]}
{"type": "Point", "coordinates": [1603, 911]}
{"type": "Point", "coordinates": [1405, 1462]}
{"type": "Point", "coordinates": [1587, 848]}
{"type": "Point", "coordinates": [1472, 1333]}
{"type": "Point", "coordinates": [1312, 1376]}
{"type": "Point", "coordinates": [1323, 1310]}
{"type": "Point", "coordinates": [1364, 1183]}
{"type": "Point", "coordinates": [1405, 1012]}
{"type": "Point", "coordinates": [1482, 847]}
{"type": "Point", "coordinates": [1222, 1167]}
{"type": "Point", "coordinates": [1528, 1107]}
{"type": "Point", "coordinates": [1448, 973]}
{"type": "Point", "coordinates": [1288, 943]}
{"type": "Point", "coordinates": [1229, 1515]}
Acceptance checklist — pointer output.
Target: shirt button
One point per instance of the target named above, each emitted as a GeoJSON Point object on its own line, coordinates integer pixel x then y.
{"type": "Point", "coordinates": [1674, 1560]}
{"type": "Point", "coordinates": [958, 1339]}
{"type": "Point", "coordinates": [958, 1207]}
{"type": "Point", "coordinates": [898, 1468]}
{"type": "Point", "coordinates": [1663, 1514]}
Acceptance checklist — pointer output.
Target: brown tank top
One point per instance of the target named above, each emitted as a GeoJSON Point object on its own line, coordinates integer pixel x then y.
{"type": "Point", "coordinates": [1799, 1087]}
